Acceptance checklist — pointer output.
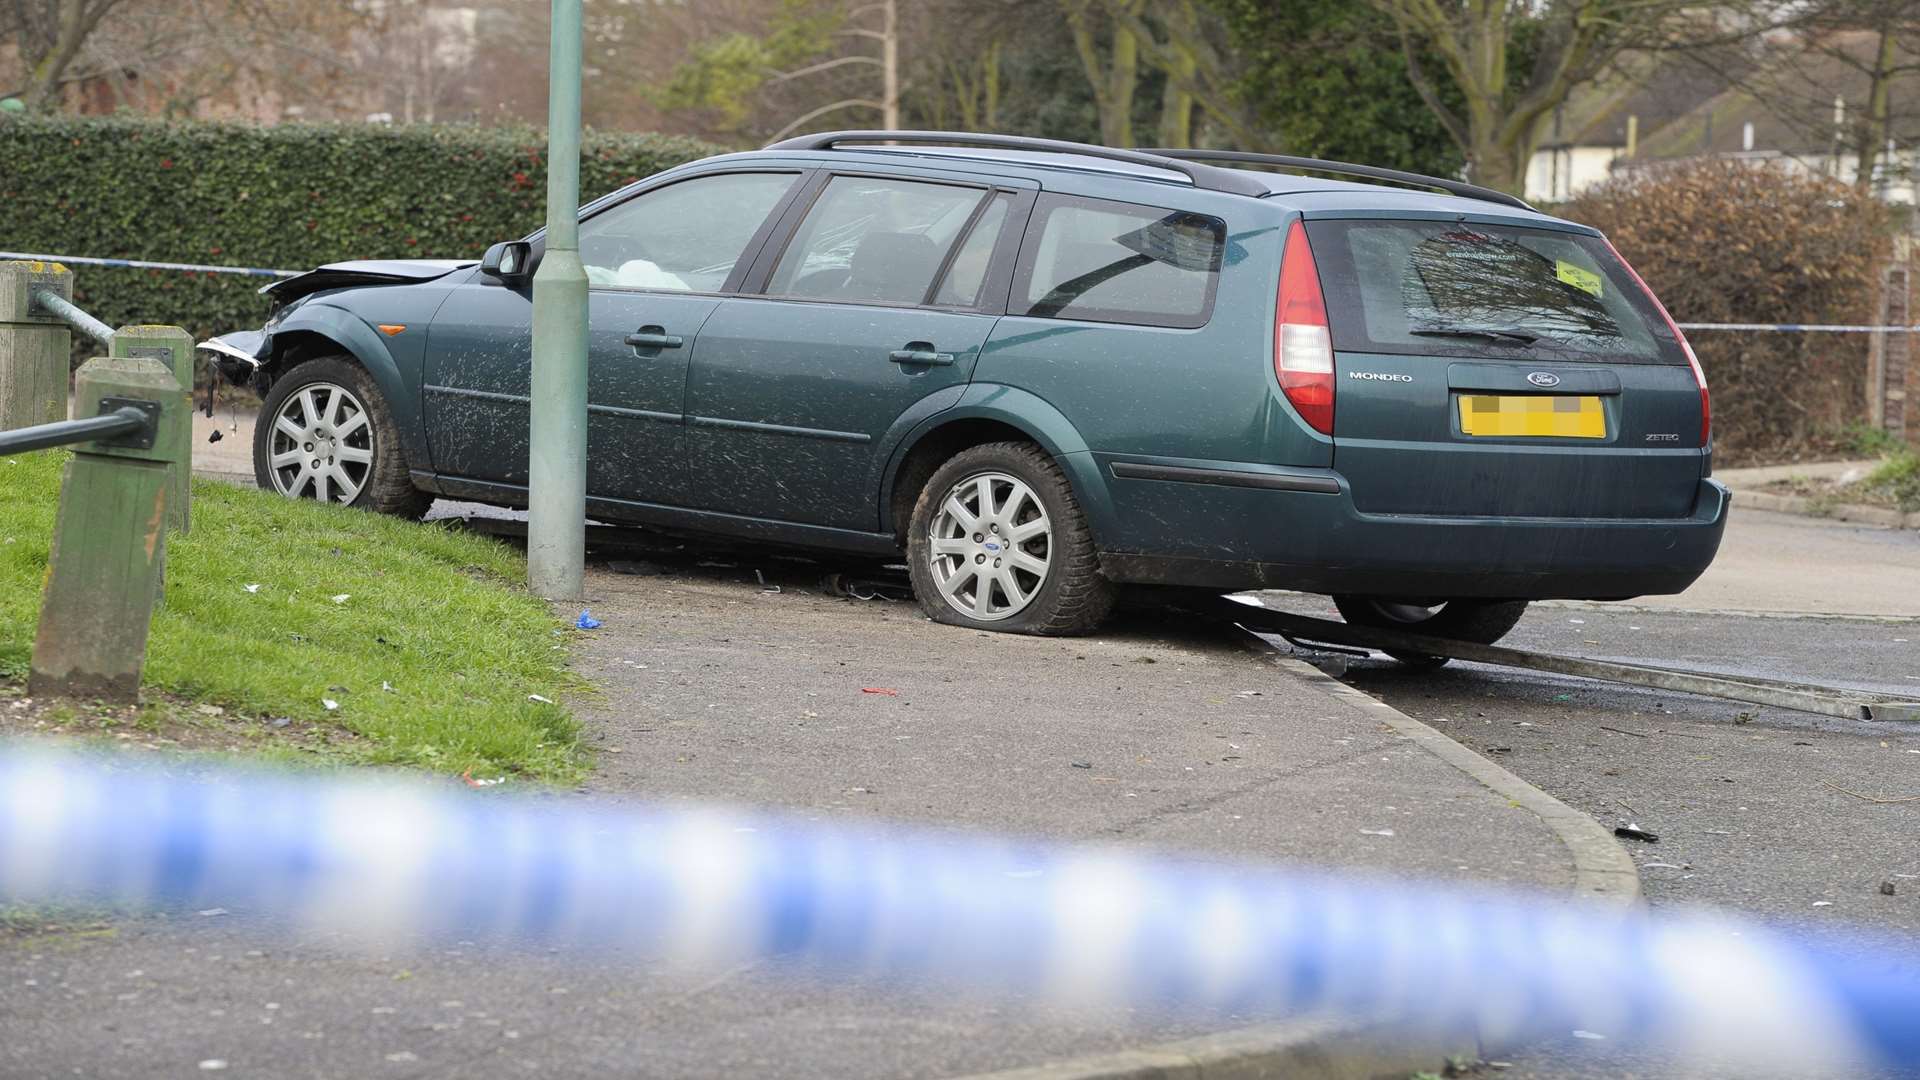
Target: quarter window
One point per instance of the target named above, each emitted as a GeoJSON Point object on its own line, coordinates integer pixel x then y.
{"type": "Point", "coordinates": [1116, 262]}
{"type": "Point", "coordinates": [873, 240]}
{"type": "Point", "coordinates": [961, 286]}
{"type": "Point", "coordinates": [684, 237]}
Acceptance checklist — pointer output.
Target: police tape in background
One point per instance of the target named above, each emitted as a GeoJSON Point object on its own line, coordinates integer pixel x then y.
{"type": "Point", "coordinates": [198, 268]}
{"type": "Point", "coordinates": [393, 862]}
{"type": "Point", "coordinates": [1804, 328]}
{"type": "Point", "coordinates": [136, 264]}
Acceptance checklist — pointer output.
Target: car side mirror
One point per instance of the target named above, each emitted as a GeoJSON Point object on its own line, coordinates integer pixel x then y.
{"type": "Point", "coordinates": [508, 262]}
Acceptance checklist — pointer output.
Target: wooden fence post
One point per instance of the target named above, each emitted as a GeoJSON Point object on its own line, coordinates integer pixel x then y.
{"type": "Point", "coordinates": [34, 348]}
{"type": "Point", "coordinates": [109, 539]}
{"type": "Point", "coordinates": [173, 347]}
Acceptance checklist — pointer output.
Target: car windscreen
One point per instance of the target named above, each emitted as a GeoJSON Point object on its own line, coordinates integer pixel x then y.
{"type": "Point", "coordinates": [1453, 288]}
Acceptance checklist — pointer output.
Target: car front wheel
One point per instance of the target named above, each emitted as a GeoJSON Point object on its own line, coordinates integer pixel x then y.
{"type": "Point", "coordinates": [326, 434]}
{"type": "Point", "coordinates": [1481, 622]}
{"type": "Point", "coordinates": [998, 542]}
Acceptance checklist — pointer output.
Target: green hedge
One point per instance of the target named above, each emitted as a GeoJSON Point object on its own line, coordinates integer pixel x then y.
{"type": "Point", "coordinates": [291, 196]}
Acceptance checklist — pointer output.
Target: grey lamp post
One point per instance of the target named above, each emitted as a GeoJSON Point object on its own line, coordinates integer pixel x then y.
{"type": "Point", "coordinates": [557, 460]}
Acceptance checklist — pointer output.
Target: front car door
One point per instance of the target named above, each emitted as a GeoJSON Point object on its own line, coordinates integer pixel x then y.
{"type": "Point", "coordinates": [657, 264]}
{"type": "Point", "coordinates": [878, 302]}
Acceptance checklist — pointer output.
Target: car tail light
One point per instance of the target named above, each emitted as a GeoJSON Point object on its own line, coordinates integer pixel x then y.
{"type": "Point", "coordinates": [1699, 375]}
{"type": "Point", "coordinates": [1302, 344]}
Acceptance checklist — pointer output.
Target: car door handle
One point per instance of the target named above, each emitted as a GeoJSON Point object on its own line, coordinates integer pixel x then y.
{"type": "Point", "coordinates": [920, 353]}
{"type": "Point", "coordinates": [654, 337]}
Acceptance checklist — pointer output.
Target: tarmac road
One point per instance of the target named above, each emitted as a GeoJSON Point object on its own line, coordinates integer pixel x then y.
{"type": "Point", "coordinates": [1780, 815]}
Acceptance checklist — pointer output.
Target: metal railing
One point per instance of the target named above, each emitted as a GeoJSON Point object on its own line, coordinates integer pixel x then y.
{"type": "Point", "coordinates": [128, 424]}
{"type": "Point", "coordinates": [64, 309]}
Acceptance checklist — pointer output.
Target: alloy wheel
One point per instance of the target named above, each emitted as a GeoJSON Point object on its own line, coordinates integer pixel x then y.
{"type": "Point", "coordinates": [990, 546]}
{"type": "Point", "coordinates": [322, 444]}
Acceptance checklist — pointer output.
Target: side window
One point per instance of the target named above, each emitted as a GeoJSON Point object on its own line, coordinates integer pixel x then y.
{"type": "Point", "coordinates": [961, 286]}
{"type": "Point", "coordinates": [684, 237]}
{"type": "Point", "coordinates": [873, 240]}
{"type": "Point", "coordinates": [1116, 262]}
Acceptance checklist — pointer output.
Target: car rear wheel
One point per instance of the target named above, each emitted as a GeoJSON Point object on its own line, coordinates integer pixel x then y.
{"type": "Point", "coordinates": [326, 434]}
{"type": "Point", "coordinates": [998, 542]}
{"type": "Point", "coordinates": [1481, 622]}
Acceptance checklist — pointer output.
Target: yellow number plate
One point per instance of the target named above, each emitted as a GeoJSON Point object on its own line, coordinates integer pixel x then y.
{"type": "Point", "coordinates": [1532, 416]}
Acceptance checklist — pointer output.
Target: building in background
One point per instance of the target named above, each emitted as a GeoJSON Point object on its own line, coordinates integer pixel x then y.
{"type": "Point", "coordinates": [1803, 108]}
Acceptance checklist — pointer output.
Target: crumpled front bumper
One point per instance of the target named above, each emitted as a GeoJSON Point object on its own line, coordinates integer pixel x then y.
{"type": "Point", "coordinates": [239, 354]}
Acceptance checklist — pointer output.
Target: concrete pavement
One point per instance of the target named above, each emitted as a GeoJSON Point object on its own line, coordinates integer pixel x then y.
{"type": "Point", "coordinates": [1796, 819]}
{"type": "Point", "coordinates": [1786, 564]}
{"type": "Point", "coordinates": [715, 688]}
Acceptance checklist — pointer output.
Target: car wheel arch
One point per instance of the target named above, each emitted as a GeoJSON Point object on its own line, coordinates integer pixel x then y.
{"type": "Point", "coordinates": [318, 330]}
{"type": "Point", "coordinates": [976, 421]}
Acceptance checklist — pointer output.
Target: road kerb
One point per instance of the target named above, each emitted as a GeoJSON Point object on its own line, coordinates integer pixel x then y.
{"type": "Point", "coordinates": [1603, 871]}
{"type": "Point", "coordinates": [1339, 1048]}
{"type": "Point", "coordinates": [1853, 513]}
{"type": "Point", "coordinates": [1303, 1049]}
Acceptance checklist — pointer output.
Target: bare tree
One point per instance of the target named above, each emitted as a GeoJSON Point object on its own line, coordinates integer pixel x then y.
{"type": "Point", "coordinates": [1112, 65]}
{"type": "Point", "coordinates": [1838, 79]}
{"type": "Point", "coordinates": [1572, 42]}
{"type": "Point", "coordinates": [1180, 39]}
{"type": "Point", "coordinates": [50, 36]}
{"type": "Point", "coordinates": [803, 51]}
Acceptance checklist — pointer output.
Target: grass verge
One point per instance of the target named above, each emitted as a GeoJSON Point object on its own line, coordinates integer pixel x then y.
{"type": "Point", "coordinates": [1898, 479]}
{"type": "Point", "coordinates": [419, 635]}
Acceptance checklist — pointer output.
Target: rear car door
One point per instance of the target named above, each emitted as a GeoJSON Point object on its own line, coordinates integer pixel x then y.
{"type": "Point", "coordinates": [1486, 368]}
{"type": "Point", "coordinates": [877, 304]}
{"type": "Point", "coordinates": [657, 266]}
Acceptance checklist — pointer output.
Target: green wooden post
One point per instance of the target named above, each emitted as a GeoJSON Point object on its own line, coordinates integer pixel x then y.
{"type": "Point", "coordinates": [109, 541]}
{"type": "Point", "coordinates": [173, 347]}
{"type": "Point", "coordinates": [34, 347]}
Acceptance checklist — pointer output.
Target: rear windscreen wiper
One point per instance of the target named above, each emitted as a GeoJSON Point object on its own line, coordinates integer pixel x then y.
{"type": "Point", "coordinates": [1498, 333]}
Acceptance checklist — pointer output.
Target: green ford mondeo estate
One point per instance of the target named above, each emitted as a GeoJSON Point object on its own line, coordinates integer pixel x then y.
{"type": "Point", "coordinates": [1047, 372]}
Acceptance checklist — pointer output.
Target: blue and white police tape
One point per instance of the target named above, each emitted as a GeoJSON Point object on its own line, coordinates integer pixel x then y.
{"type": "Point", "coordinates": [1801, 328]}
{"type": "Point", "coordinates": [391, 861]}
{"type": "Point", "coordinates": [137, 264]}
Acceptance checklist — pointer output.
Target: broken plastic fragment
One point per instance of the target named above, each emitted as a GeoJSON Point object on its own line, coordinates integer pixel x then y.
{"type": "Point", "coordinates": [329, 703]}
{"type": "Point", "coordinates": [251, 588]}
{"type": "Point", "coordinates": [541, 700]}
{"type": "Point", "coordinates": [342, 598]}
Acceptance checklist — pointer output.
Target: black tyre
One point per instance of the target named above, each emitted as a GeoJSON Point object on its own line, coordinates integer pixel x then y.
{"type": "Point", "coordinates": [997, 541]}
{"type": "Point", "coordinates": [325, 433]}
{"type": "Point", "coordinates": [1482, 622]}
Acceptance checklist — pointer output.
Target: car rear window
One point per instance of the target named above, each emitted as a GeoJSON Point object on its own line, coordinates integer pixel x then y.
{"type": "Point", "coordinates": [1452, 288]}
{"type": "Point", "coordinates": [1116, 262]}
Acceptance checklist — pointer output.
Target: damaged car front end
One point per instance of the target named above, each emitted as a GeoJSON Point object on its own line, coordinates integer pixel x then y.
{"type": "Point", "coordinates": [241, 356]}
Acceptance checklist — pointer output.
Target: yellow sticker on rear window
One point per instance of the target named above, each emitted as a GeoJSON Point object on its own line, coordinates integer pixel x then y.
{"type": "Point", "coordinates": [1578, 277]}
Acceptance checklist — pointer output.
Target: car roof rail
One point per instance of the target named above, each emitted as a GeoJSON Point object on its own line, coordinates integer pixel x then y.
{"type": "Point", "coordinates": [1342, 168]}
{"type": "Point", "coordinates": [1202, 176]}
